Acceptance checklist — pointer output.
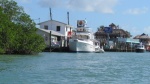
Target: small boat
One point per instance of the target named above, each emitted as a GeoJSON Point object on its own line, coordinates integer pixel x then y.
{"type": "Point", "coordinates": [140, 48]}
{"type": "Point", "coordinates": [54, 43]}
{"type": "Point", "coordinates": [98, 49]}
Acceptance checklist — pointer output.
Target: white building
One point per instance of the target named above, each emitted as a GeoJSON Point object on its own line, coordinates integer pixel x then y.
{"type": "Point", "coordinates": [59, 32]}
{"type": "Point", "coordinates": [57, 26]}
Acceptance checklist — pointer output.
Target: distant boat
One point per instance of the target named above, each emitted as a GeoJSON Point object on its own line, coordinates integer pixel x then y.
{"type": "Point", "coordinates": [99, 50]}
{"type": "Point", "coordinates": [140, 48]}
{"type": "Point", "coordinates": [55, 45]}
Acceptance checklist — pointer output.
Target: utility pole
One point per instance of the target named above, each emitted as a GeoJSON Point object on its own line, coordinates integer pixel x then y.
{"type": "Point", "coordinates": [68, 17]}
{"type": "Point", "coordinates": [50, 33]}
{"type": "Point", "coordinates": [50, 14]}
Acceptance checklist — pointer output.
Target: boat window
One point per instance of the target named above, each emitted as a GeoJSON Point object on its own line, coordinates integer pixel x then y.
{"type": "Point", "coordinates": [87, 37]}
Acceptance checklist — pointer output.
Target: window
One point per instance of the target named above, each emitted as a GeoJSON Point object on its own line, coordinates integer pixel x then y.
{"type": "Point", "coordinates": [46, 27]}
{"type": "Point", "coordinates": [58, 28]}
{"type": "Point", "coordinates": [46, 38]}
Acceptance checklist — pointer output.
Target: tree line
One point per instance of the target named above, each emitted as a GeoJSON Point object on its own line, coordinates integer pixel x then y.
{"type": "Point", "coordinates": [18, 30]}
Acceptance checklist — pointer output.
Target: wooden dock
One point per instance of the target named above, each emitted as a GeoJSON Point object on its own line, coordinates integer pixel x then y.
{"type": "Point", "coordinates": [118, 50]}
{"type": "Point", "coordinates": [61, 49]}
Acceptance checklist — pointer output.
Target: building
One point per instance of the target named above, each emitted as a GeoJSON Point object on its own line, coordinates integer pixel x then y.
{"type": "Point", "coordinates": [127, 43]}
{"type": "Point", "coordinates": [57, 26]}
{"type": "Point", "coordinates": [144, 39]}
{"type": "Point", "coordinates": [59, 31]}
{"type": "Point", "coordinates": [110, 34]}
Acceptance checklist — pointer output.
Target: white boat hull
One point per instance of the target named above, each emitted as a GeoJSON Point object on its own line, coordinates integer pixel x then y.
{"type": "Point", "coordinates": [140, 50]}
{"type": "Point", "coordinates": [81, 46]}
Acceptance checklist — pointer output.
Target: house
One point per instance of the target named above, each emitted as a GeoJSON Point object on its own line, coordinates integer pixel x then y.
{"type": "Point", "coordinates": [57, 26]}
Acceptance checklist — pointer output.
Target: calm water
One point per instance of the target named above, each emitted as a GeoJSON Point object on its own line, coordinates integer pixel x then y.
{"type": "Point", "coordinates": [76, 68]}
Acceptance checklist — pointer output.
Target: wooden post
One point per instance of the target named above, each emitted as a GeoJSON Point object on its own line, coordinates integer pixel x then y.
{"type": "Point", "coordinates": [108, 40]}
{"type": "Point", "coordinates": [126, 47]}
{"type": "Point", "coordinates": [50, 41]}
{"type": "Point", "coordinates": [131, 46]}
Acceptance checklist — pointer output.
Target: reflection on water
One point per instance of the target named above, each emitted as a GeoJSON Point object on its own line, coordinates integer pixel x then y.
{"type": "Point", "coordinates": [73, 68]}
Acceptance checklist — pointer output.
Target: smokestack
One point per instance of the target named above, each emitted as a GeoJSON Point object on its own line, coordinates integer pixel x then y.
{"type": "Point", "coordinates": [68, 17]}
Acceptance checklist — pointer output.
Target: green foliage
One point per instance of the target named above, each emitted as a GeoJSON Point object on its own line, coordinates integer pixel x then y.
{"type": "Point", "coordinates": [11, 8]}
{"type": "Point", "coordinates": [17, 30]}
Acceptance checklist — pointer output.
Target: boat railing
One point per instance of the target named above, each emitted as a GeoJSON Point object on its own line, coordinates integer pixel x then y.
{"type": "Point", "coordinates": [83, 29]}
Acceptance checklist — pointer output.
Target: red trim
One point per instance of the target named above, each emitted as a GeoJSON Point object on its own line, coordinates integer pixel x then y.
{"type": "Point", "coordinates": [69, 34]}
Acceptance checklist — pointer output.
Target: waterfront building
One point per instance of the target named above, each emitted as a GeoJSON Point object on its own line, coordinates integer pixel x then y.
{"type": "Point", "coordinates": [57, 26]}
{"type": "Point", "coordinates": [145, 40]}
{"type": "Point", "coordinates": [59, 31]}
{"type": "Point", "coordinates": [127, 43]}
{"type": "Point", "coordinates": [108, 36]}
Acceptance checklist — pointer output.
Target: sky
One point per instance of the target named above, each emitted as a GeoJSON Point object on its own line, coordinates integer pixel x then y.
{"type": "Point", "coordinates": [131, 15]}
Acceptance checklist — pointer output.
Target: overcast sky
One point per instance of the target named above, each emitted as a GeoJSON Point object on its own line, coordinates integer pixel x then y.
{"type": "Point", "coordinates": [130, 15]}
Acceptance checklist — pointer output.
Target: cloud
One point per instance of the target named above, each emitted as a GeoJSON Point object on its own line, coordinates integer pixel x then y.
{"type": "Point", "coordinates": [103, 6]}
{"type": "Point", "coordinates": [132, 29]}
{"type": "Point", "coordinates": [51, 3]}
{"type": "Point", "coordinates": [146, 30]}
{"type": "Point", "coordinates": [137, 11]}
{"type": "Point", "coordinates": [136, 30]}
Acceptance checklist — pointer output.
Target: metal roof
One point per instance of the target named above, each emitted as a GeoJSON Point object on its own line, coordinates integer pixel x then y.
{"type": "Point", "coordinates": [52, 32]}
{"type": "Point", "coordinates": [129, 40]}
{"type": "Point", "coordinates": [55, 21]}
{"type": "Point", "coordinates": [52, 21]}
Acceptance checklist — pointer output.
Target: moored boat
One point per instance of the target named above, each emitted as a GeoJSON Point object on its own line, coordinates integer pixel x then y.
{"type": "Point", "coordinates": [140, 48]}
{"type": "Point", "coordinates": [83, 39]}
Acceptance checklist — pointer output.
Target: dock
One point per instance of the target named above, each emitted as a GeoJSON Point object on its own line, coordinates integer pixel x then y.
{"type": "Point", "coordinates": [61, 49]}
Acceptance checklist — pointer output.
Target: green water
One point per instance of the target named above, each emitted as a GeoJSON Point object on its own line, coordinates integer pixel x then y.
{"type": "Point", "coordinates": [76, 68]}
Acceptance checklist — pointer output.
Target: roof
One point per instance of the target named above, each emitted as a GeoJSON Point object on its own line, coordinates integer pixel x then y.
{"type": "Point", "coordinates": [52, 32]}
{"type": "Point", "coordinates": [53, 21]}
{"type": "Point", "coordinates": [129, 40]}
{"type": "Point", "coordinates": [142, 36]}
{"type": "Point", "coordinates": [115, 32]}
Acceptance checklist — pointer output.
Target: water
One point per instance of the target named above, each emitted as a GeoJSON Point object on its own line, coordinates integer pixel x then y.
{"type": "Point", "coordinates": [76, 68]}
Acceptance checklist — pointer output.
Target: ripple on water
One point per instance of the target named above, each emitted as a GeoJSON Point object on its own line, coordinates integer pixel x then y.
{"type": "Point", "coordinates": [76, 68]}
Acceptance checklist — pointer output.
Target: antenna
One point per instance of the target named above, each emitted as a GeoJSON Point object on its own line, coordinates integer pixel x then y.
{"type": "Point", "coordinates": [68, 17]}
{"type": "Point", "coordinates": [39, 20]}
{"type": "Point", "coordinates": [50, 14]}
